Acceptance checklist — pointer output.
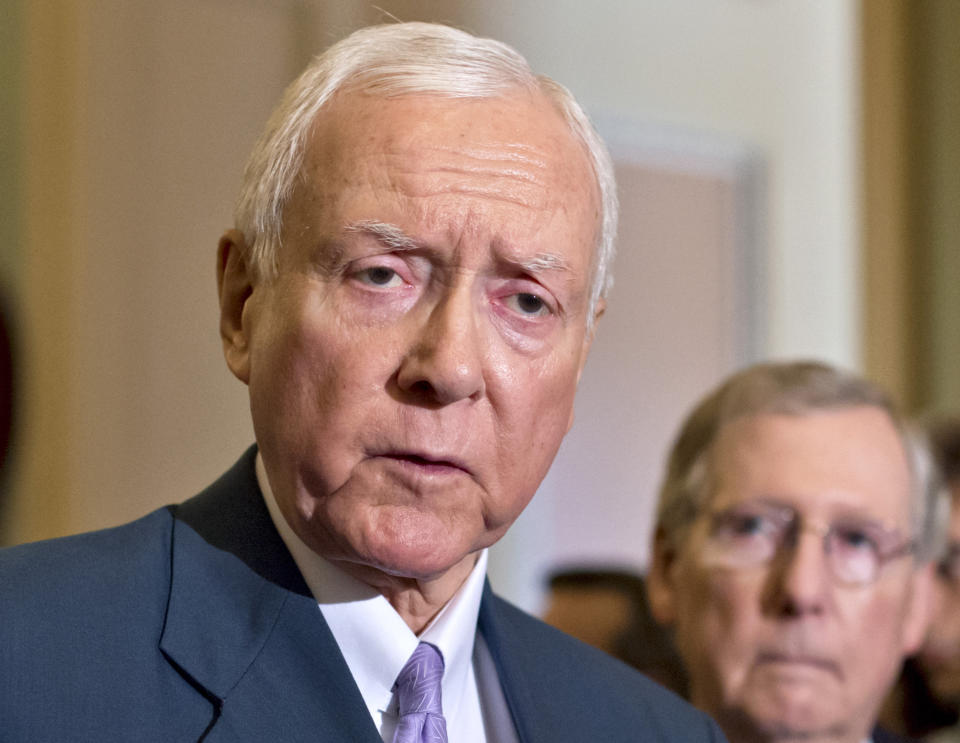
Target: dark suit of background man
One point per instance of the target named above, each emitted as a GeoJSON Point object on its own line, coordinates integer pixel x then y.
{"type": "Point", "coordinates": [421, 252]}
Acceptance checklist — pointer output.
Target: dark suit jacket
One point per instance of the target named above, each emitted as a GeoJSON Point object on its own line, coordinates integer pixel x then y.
{"type": "Point", "coordinates": [880, 735]}
{"type": "Point", "coordinates": [194, 623]}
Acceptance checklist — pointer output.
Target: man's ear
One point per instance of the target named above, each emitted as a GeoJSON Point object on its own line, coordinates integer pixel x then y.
{"type": "Point", "coordinates": [598, 311]}
{"type": "Point", "coordinates": [234, 287]}
{"type": "Point", "coordinates": [589, 335]}
{"type": "Point", "coordinates": [919, 608]}
{"type": "Point", "coordinates": [585, 348]}
{"type": "Point", "coordinates": [660, 580]}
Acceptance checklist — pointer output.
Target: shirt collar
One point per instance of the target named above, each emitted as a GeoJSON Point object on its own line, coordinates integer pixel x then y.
{"type": "Point", "coordinates": [374, 639]}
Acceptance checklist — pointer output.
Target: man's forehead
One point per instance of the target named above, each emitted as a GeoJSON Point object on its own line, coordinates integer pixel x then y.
{"type": "Point", "coordinates": [520, 133]}
{"type": "Point", "coordinates": [841, 459]}
{"type": "Point", "coordinates": [867, 427]}
{"type": "Point", "coordinates": [446, 166]}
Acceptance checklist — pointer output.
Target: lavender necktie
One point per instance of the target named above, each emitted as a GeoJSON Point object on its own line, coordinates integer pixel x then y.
{"type": "Point", "coordinates": [418, 698]}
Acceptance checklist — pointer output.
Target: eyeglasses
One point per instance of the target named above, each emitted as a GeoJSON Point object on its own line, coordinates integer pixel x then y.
{"type": "Point", "coordinates": [752, 534]}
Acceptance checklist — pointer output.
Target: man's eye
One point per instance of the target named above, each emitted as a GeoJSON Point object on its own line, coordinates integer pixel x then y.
{"type": "Point", "coordinates": [380, 276]}
{"type": "Point", "coordinates": [749, 525]}
{"type": "Point", "coordinates": [852, 538]}
{"type": "Point", "coordinates": [528, 304]}
{"type": "Point", "coordinates": [742, 526]}
{"type": "Point", "coordinates": [746, 525]}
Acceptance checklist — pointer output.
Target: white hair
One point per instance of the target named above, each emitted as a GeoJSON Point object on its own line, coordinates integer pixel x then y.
{"type": "Point", "coordinates": [394, 60]}
{"type": "Point", "coordinates": [931, 511]}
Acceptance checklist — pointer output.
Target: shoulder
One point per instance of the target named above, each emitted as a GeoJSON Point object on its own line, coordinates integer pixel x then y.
{"type": "Point", "coordinates": [85, 566]}
{"type": "Point", "coordinates": [117, 564]}
{"type": "Point", "coordinates": [556, 672]}
{"type": "Point", "coordinates": [79, 598]}
{"type": "Point", "coordinates": [82, 618]}
{"type": "Point", "coordinates": [880, 735]}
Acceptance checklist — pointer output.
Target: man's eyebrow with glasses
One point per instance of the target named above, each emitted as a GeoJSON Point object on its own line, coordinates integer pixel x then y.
{"type": "Point", "coordinates": [754, 534]}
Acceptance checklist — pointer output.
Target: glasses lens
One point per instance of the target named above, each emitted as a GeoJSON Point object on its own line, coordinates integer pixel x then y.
{"type": "Point", "coordinates": [859, 549]}
{"type": "Point", "coordinates": [746, 535]}
{"type": "Point", "coordinates": [855, 552]}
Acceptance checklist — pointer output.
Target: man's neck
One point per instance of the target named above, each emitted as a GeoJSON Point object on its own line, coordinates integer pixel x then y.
{"type": "Point", "coordinates": [417, 601]}
{"type": "Point", "coordinates": [745, 731]}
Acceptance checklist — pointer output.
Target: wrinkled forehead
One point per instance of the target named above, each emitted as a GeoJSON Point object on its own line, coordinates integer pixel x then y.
{"type": "Point", "coordinates": [833, 462]}
{"type": "Point", "coordinates": [515, 147]}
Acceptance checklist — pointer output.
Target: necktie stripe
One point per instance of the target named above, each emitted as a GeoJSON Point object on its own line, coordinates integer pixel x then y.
{"type": "Point", "coordinates": [418, 690]}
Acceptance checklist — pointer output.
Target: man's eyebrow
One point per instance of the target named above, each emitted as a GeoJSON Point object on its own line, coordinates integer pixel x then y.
{"type": "Point", "coordinates": [394, 238]}
{"type": "Point", "coordinates": [388, 235]}
{"type": "Point", "coordinates": [540, 262]}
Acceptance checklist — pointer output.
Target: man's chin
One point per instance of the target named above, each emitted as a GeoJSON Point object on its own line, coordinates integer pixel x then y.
{"type": "Point", "coordinates": [415, 565]}
{"type": "Point", "coordinates": [416, 559]}
{"type": "Point", "coordinates": [793, 724]}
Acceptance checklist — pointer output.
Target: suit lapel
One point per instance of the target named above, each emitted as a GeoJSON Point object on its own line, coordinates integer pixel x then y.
{"type": "Point", "coordinates": [504, 651]}
{"type": "Point", "coordinates": [243, 627]}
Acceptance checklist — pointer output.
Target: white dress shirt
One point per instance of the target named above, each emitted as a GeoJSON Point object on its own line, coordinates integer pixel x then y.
{"type": "Point", "coordinates": [376, 642]}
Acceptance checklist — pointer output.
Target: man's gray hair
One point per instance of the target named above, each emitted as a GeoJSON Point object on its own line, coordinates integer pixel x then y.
{"type": "Point", "coordinates": [789, 388]}
{"type": "Point", "coordinates": [396, 60]}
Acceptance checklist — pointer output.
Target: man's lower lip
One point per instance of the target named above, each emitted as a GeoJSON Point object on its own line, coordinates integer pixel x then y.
{"type": "Point", "coordinates": [424, 466]}
{"type": "Point", "coordinates": [799, 665]}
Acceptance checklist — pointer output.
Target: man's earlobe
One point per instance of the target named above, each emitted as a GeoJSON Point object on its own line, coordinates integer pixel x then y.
{"type": "Point", "coordinates": [588, 342]}
{"type": "Point", "coordinates": [599, 310]}
{"type": "Point", "coordinates": [660, 588]}
{"type": "Point", "coordinates": [234, 287]}
{"type": "Point", "coordinates": [919, 608]}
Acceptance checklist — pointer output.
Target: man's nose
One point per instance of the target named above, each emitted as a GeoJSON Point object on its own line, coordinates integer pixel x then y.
{"type": "Point", "coordinates": [445, 360]}
{"type": "Point", "coordinates": [800, 577]}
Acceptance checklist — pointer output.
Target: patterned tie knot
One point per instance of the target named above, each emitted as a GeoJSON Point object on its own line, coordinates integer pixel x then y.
{"type": "Point", "coordinates": [418, 698]}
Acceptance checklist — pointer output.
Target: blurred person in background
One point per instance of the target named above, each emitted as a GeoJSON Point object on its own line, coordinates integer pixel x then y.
{"type": "Point", "coordinates": [608, 608]}
{"type": "Point", "coordinates": [926, 700]}
{"type": "Point", "coordinates": [792, 558]}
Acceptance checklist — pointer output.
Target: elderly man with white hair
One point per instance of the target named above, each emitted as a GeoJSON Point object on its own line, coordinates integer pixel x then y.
{"type": "Point", "coordinates": [421, 251]}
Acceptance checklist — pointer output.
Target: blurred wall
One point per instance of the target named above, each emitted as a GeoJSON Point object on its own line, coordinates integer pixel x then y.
{"type": "Point", "coordinates": [11, 65]}
{"type": "Point", "coordinates": [935, 182]}
{"type": "Point", "coordinates": [911, 185]}
{"type": "Point", "coordinates": [11, 71]}
{"type": "Point", "coordinates": [137, 120]}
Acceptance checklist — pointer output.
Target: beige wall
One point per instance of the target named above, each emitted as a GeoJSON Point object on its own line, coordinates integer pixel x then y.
{"type": "Point", "coordinates": [11, 89]}
{"type": "Point", "coordinates": [138, 118]}
{"type": "Point", "coordinates": [888, 259]}
{"type": "Point", "coordinates": [911, 182]}
{"type": "Point", "coordinates": [938, 207]}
